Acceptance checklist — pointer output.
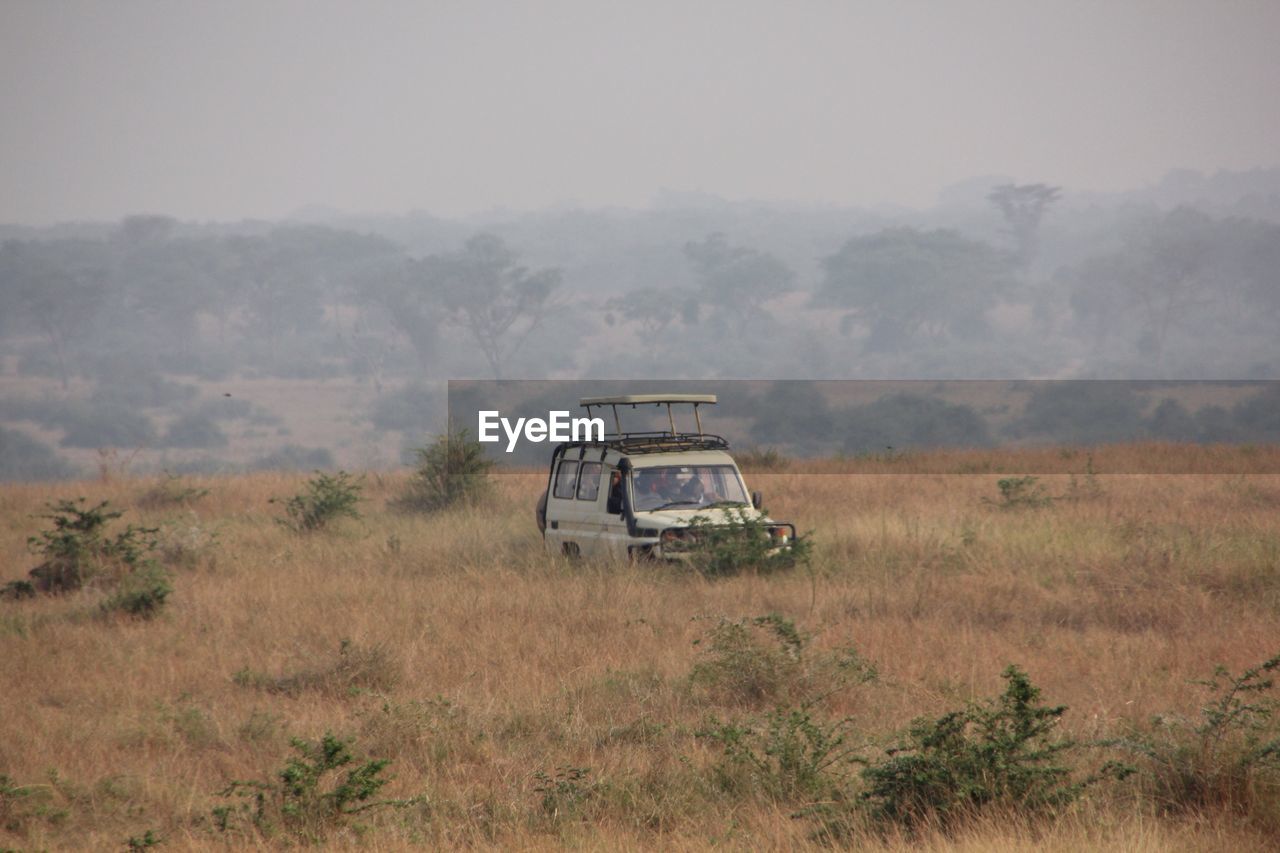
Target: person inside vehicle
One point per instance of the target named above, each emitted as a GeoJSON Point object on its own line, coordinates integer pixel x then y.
{"type": "Point", "coordinates": [696, 491]}
{"type": "Point", "coordinates": [654, 488]}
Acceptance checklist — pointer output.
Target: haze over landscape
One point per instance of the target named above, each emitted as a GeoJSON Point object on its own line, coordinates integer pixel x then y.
{"type": "Point", "coordinates": [978, 549]}
{"type": "Point", "coordinates": [325, 210]}
{"type": "Point", "coordinates": [245, 109]}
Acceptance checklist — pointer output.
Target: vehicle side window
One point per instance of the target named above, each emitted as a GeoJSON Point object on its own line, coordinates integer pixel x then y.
{"type": "Point", "coordinates": [615, 486]}
{"type": "Point", "coordinates": [589, 481]}
{"type": "Point", "coordinates": [566, 475]}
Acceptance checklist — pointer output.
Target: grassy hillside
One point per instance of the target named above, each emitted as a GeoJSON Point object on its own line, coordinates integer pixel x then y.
{"type": "Point", "coordinates": [528, 702]}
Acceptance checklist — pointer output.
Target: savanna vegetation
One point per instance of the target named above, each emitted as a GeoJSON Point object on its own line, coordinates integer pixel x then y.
{"type": "Point", "coordinates": [972, 657]}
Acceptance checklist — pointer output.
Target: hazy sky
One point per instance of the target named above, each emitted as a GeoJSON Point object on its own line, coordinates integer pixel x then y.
{"type": "Point", "coordinates": [230, 109]}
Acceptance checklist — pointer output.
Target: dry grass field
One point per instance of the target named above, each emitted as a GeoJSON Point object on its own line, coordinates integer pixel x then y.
{"type": "Point", "coordinates": [529, 702]}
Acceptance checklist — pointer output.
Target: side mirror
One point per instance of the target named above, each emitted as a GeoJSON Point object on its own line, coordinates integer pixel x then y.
{"type": "Point", "coordinates": [614, 504]}
{"type": "Point", "coordinates": [757, 500]}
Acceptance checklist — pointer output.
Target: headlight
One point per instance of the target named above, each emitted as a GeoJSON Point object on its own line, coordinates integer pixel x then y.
{"type": "Point", "coordinates": [780, 535]}
{"type": "Point", "coordinates": [678, 537]}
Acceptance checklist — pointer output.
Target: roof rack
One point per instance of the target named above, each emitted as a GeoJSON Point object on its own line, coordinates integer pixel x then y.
{"type": "Point", "coordinates": [635, 443]}
{"type": "Point", "coordinates": [634, 400]}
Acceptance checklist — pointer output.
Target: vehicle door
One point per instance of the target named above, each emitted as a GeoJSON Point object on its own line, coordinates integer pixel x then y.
{"type": "Point", "coordinates": [614, 537]}
{"type": "Point", "coordinates": [563, 517]}
{"type": "Point", "coordinates": [589, 507]}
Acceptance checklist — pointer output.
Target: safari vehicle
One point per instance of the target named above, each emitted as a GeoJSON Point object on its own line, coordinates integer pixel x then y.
{"type": "Point", "coordinates": [635, 494]}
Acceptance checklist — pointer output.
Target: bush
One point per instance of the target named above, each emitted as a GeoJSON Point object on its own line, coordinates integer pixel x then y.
{"type": "Point", "coordinates": [563, 793]}
{"type": "Point", "coordinates": [77, 549]}
{"type": "Point", "coordinates": [147, 840]}
{"type": "Point", "coordinates": [170, 491]}
{"type": "Point", "coordinates": [1003, 752]}
{"type": "Point", "coordinates": [739, 543]}
{"type": "Point", "coordinates": [17, 590]}
{"type": "Point", "coordinates": [1229, 758]}
{"type": "Point", "coordinates": [328, 497]}
{"type": "Point", "coordinates": [1019, 492]}
{"type": "Point", "coordinates": [767, 659]}
{"type": "Point", "coordinates": [452, 471]}
{"type": "Point", "coordinates": [77, 552]}
{"type": "Point", "coordinates": [312, 794]}
{"type": "Point", "coordinates": [141, 594]}
{"type": "Point", "coordinates": [789, 757]}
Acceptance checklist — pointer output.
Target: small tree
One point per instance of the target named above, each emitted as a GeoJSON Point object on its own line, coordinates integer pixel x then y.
{"type": "Point", "coordinates": [735, 280]}
{"type": "Point", "coordinates": [1023, 207]}
{"type": "Point", "coordinates": [484, 290]}
{"type": "Point", "coordinates": [77, 549]}
{"type": "Point", "coordinates": [328, 497]}
{"type": "Point", "coordinates": [1003, 752]}
{"type": "Point", "coordinates": [905, 283]}
{"type": "Point", "coordinates": [318, 790]}
{"type": "Point", "coordinates": [452, 470]}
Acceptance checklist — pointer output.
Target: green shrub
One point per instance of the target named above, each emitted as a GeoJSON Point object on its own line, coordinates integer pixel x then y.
{"type": "Point", "coordinates": [1088, 488]}
{"type": "Point", "coordinates": [1021, 492]}
{"type": "Point", "coordinates": [77, 549]}
{"type": "Point", "coordinates": [141, 594]}
{"type": "Point", "coordinates": [452, 471]}
{"type": "Point", "coordinates": [327, 498]}
{"type": "Point", "coordinates": [142, 842]}
{"type": "Point", "coordinates": [739, 543]}
{"type": "Point", "coordinates": [171, 490]}
{"type": "Point", "coordinates": [1003, 752]}
{"type": "Point", "coordinates": [20, 804]}
{"type": "Point", "coordinates": [17, 590]}
{"type": "Point", "coordinates": [563, 792]}
{"type": "Point", "coordinates": [316, 791]}
{"type": "Point", "coordinates": [788, 757]}
{"type": "Point", "coordinates": [1229, 758]}
{"type": "Point", "coordinates": [767, 659]}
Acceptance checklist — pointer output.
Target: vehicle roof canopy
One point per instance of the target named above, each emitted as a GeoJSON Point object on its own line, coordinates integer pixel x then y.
{"type": "Point", "coordinates": [652, 399]}
{"type": "Point", "coordinates": [634, 400]}
{"type": "Point", "coordinates": [682, 458]}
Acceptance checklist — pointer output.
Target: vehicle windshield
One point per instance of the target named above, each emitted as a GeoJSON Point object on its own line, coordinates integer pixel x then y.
{"type": "Point", "coordinates": [687, 486]}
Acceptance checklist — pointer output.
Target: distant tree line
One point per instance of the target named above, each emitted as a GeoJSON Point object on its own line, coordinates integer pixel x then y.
{"type": "Point", "coordinates": [129, 323]}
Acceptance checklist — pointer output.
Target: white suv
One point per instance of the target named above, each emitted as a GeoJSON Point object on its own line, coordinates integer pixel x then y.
{"type": "Point", "coordinates": [634, 494]}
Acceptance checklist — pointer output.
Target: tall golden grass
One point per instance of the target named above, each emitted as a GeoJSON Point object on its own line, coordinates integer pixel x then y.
{"type": "Point", "coordinates": [474, 661]}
